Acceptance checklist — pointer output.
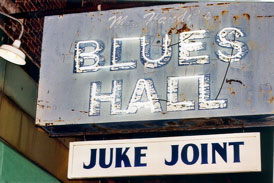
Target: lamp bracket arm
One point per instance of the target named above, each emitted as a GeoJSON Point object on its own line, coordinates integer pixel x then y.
{"type": "Point", "coordinates": [11, 17]}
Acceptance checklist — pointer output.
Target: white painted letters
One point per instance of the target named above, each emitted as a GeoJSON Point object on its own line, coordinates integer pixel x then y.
{"type": "Point", "coordinates": [83, 54]}
{"type": "Point", "coordinates": [172, 96]}
{"type": "Point", "coordinates": [227, 38]}
{"type": "Point", "coordinates": [204, 95]}
{"type": "Point", "coordinates": [144, 95]}
{"type": "Point", "coordinates": [115, 98]}
{"type": "Point", "coordinates": [186, 45]}
{"type": "Point", "coordinates": [116, 62]}
{"type": "Point", "coordinates": [146, 55]}
{"type": "Point", "coordinates": [144, 85]}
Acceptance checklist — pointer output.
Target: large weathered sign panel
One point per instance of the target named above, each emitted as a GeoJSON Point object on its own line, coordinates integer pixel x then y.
{"type": "Point", "coordinates": [157, 63]}
{"type": "Point", "coordinates": [227, 153]}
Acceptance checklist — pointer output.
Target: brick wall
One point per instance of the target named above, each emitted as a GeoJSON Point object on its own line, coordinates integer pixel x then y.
{"type": "Point", "coordinates": [27, 12]}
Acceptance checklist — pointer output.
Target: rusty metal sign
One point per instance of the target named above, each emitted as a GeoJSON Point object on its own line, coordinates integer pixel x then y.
{"type": "Point", "coordinates": [183, 61]}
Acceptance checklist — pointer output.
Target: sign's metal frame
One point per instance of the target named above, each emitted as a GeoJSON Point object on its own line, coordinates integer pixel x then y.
{"type": "Point", "coordinates": [57, 111]}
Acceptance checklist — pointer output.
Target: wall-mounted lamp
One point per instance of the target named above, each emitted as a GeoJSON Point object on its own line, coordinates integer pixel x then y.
{"type": "Point", "coordinates": [12, 53]}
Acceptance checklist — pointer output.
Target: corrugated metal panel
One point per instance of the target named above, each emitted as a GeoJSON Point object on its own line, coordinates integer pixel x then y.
{"type": "Point", "coordinates": [20, 87]}
{"type": "Point", "coordinates": [2, 73]}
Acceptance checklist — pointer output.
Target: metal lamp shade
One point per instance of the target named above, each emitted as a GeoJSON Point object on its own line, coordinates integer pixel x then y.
{"type": "Point", "coordinates": [12, 53]}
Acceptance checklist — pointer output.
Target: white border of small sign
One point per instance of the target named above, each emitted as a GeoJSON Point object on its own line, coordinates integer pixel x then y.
{"type": "Point", "coordinates": [203, 154]}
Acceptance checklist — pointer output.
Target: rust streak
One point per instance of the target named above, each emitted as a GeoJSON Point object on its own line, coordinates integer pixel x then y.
{"type": "Point", "coordinates": [247, 16]}
{"type": "Point", "coordinates": [269, 16]}
{"type": "Point", "coordinates": [41, 106]}
{"type": "Point", "coordinates": [209, 4]}
{"type": "Point", "coordinates": [150, 10]}
{"type": "Point", "coordinates": [174, 30]}
{"type": "Point", "coordinates": [184, 28]}
{"type": "Point", "coordinates": [271, 100]}
{"type": "Point", "coordinates": [236, 17]}
{"type": "Point", "coordinates": [224, 12]}
{"type": "Point", "coordinates": [185, 6]}
{"type": "Point", "coordinates": [194, 6]}
{"type": "Point", "coordinates": [167, 9]}
{"type": "Point", "coordinates": [248, 101]}
{"type": "Point", "coordinates": [221, 4]}
{"type": "Point", "coordinates": [261, 91]}
{"type": "Point", "coordinates": [116, 13]}
{"type": "Point", "coordinates": [171, 30]}
{"type": "Point", "coordinates": [216, 18]}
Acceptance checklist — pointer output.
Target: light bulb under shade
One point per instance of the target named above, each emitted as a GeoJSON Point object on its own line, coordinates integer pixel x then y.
{"type": "Point", "coordinates": [13, 54]}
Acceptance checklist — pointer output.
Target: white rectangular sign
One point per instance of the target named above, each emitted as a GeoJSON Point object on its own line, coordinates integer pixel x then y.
{"type": "Point", "coordinates": [224, 153]}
